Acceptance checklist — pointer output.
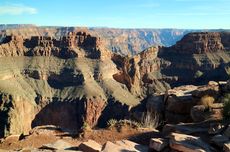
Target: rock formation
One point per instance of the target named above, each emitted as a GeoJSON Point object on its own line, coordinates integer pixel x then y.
{"type": "Point", "coordinates": [197, 58]}
{"type": "Point", "coordinates": [74, 80]}
{"type": "Point", "coordinates": [198, 43]}
{"type": "Point", "coordinates": [70, 79]}
{"type": "Point", "coordinates": [48, 46]}
{"type": "Point", "coordinates": [122, 41]}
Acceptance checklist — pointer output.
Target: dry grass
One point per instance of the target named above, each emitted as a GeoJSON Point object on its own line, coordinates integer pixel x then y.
{"type": "Point", "coordinates": [150, 120]}
{"type": "Point", "coordinates": [121, 123]}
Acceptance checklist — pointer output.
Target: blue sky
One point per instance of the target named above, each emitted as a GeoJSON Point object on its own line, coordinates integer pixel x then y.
{"type": "Point", "coordinates": [195, 14]}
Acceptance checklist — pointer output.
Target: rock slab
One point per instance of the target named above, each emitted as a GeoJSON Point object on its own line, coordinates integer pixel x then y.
{"type": "Point", "coordinates": [158, 144]}
{"type": "Point", "coordinates": [188, 143]}
{"type": "Point", "coordinates": [90, 146]}
{"type": "Point", "coordinates": [58, 145]}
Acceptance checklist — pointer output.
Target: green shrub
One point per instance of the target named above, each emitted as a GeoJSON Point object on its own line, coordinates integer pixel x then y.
{"type": "Point", "coordinates": [198, 74]}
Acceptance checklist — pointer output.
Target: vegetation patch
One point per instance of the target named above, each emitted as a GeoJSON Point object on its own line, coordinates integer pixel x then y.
{"type": "Point", "coordinates": [150, 120]}
{"type": "Point", "coordinates": [198, 74]}
{"type": "Point", "coordinates": [113, 123]}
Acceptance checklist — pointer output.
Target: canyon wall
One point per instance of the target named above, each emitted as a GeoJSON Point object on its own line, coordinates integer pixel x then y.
{"type": "Point", "coordinates": [122, 41]}
{"type": "Point", "coordinates": [198, 58]}
{"type": "Point", "coordinates": [75, 79]}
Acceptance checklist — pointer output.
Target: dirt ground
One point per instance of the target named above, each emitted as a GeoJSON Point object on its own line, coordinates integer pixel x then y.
{"type": "Point", "coordinates": [39, 137]}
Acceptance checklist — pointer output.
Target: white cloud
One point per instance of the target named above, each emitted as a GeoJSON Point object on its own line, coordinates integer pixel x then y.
{"type": "Point", "coordinates": [16, 9]}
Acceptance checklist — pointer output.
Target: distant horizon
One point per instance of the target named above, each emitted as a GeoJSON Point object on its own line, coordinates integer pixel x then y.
{"type": "Point", "coordinates": [123, 14]}
{"type": "Point", "coordinates": [124, 28]}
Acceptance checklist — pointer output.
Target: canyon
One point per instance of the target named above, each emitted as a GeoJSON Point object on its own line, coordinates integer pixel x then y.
{"type": "Point", "coordinates": [122, 41]}
{"type": "Point", "coordinates": [69, 77]}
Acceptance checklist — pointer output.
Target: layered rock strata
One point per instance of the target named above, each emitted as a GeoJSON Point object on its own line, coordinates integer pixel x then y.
{"type": "Point", "coordinates": [74, 80]}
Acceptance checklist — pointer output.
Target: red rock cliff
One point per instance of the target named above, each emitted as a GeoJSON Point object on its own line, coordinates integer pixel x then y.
{"type": "Point", "coordinates": [202, 42]}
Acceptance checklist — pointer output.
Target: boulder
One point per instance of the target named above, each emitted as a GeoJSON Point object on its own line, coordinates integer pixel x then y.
{"type": "Point", "coordinates": [180, 104]}
{"type": "Point", "coordinates": [111, 147]}
{"type": "Point", "coordinates": [226, 147]}
{"type": "Point", "coordinates": [58, 145]}
{"type": "Point", "coordinates": [188, 143]}
{"type": "Point", "coordinates": [123, 145]}
{"type": "Point", "coordinates": [158, 144]}
{"type": "Point", "coordinates": [90, 146]}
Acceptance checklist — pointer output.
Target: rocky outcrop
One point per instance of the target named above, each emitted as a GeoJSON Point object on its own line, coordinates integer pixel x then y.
{"type": "Point", "coordinates": [198, 43]}
{"type": "Point", "coordinates": [197, 58]}
{"type": "Point", "coordinates": [12, 46]}
{"type": "Point", "coordinates": [66, 47]}
{"type": "Point", "coordinates": [196, 136]}
{"type": "Point", "coordinates": [184, 104]}
{"type": "Point", "coordinates": [141, 71]}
